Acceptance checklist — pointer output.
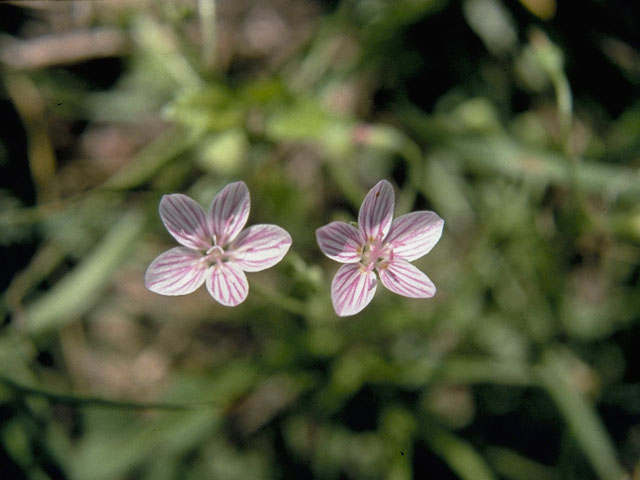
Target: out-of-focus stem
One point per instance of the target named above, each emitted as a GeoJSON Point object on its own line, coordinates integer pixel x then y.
{"type": "Point", "coordinates": [581, 417]}
{"type": "Point", "coordinates": [88, 401]}
{"type": "Point", "coordinates": [42, 160]}
{"type": "Point", "coordinates": [564, 101]}
{"type": "Point", "coordinates": [207, 11]}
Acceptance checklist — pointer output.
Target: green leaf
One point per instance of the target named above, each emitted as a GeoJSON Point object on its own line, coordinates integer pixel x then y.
{"type": "Point", "coordinates": [458, 454]}
{"type": "Point", "coordinates": [107, 453]}
{"type": "Point", "coordinates": [581, 417]}
{"type": "Point", "coordinates": [214, 108]}
{"type": "Point", "coordinates": [308, 120]}
{"type": "Point", "coordinates": [223, 153]}
{"type": "Point", "coordinates": [76, 293]}
{"type": "Point", "coordinates": [514, 466]}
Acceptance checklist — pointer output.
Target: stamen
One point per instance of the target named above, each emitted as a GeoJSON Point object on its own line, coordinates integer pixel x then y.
{"type": "Point", "coordinates": [214, 255]}
{"type": "Point", "coordinates": [376, 253]}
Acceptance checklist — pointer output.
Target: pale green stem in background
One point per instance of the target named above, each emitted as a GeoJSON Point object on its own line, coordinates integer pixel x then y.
{"type": "Point", "coordinates": [552, 62]}
{"type": "Point", "coordinates": [457, 453]}
{"type": "Point", "coordinates": [30, 105]}
{"type": "Point", "coordinates": [286, 303]}
{"type": "Point", "coordinates": [167, 147]}
{"type": "Point", "coordinates": [478, 370]}
{"type": "Point", "coordinates": [502, 155]}
{"type": "Point", "coordinates": [159, 41]}
{"type": "Point", "coordinates": [207, 12]}
{"type": "Point", "coordinates": [46, 259]}
{"type": "Point", "coordinates": [564, 100]}
{"type": "Point", "coordinates": [581, 417]}
{"type": "Point", "coordinates": [513, 466]}
{"type": "Point", "coordinates": [88, 401]}
{"type": "Point", "coordinates": [78, 290]}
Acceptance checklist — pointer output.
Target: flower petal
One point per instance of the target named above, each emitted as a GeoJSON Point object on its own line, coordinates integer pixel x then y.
{"type": "Point", "coordinates": [259, 247]}
{"type": "Point", "coordinates": [352, 289]}
{"type": "Point", "coordinates": [229, 212]}
{"type": "Point", "coordinates": [376, 211]}
{"type": "Point", "coordinates": [176, 272]}
{"type": "Point", "coordinates": [402, 278]}
{"type": "Point", "coordinates": [185, 221]}
{"type": "Point", "coordinates": [340, 242]}
{"type": "Point", "coordinates": [228, 284]}
{"type": "Point", "coordinates": [414, 234]}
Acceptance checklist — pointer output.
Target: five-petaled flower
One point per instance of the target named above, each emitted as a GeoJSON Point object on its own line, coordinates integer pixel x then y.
{"type": "Point", "coordinates": [381, 244]}
{"type": "Point", "coordinates": [215, 250]}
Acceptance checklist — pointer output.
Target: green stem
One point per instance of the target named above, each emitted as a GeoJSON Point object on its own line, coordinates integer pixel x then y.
{"type": "Point", "coordinates": [88, 401]}
{"type": "Point", "coordinates": [143, 167]}
{"type": "Point", "coordinates": [581, 417]}
{"type": "Point", "coordinates": [207, 11]}
{"type": "Point", "coordinates": [564, 100]}
{"type": "Point", "coordinates": [286, 303]}
{"type": "Point", "coordinates": [457, 453]}
{"type": "Point", "coordinates": [469, 370]}
{"type": "Point", "coordinates": [514, 466]}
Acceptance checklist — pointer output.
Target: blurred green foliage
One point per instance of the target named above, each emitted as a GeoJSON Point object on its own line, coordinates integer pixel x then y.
{"type": "Point", "coordinates": [524, 365]}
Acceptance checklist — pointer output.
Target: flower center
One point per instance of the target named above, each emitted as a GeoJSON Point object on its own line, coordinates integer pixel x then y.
{"type": "Point", "coordinates": [215, 255]}
{"type": "Point", "coordinates": [375, 253]}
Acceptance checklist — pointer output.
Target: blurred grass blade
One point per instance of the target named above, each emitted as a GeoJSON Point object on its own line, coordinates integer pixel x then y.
{"type": "Point", "coordinates": [207, 11]}
{"type": "Point", "coordinates": [30, 105]}
{"type": "Point", "coordinates": [161, 44]}
{"type": "Point", "coordinates": [105, 454]}
{"type": "Point", "coordinates": [88, 401]}
{"type": "Point", "coordinates": [75, 294]}
{"type": "Point", "coordinates": [466, 371]}
{"type": "Point", "coordinates": [15, 359]}
{"type": "Point", "coordinates": [513, 466]}
{"type": "Point", "coordinates": [459, 455]}
{"type": "Point", "coordinates": [503, 156]}
{"type": "Point", "coordinates": [151, 159]}
{"type": "Point", "coordinates": [479, 370]}
{"type": "Point", "coordinates": [581, 417]}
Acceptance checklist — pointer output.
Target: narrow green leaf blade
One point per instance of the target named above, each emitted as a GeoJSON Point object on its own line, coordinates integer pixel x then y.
{"type": "Point", "coordinates": [581, 418]}
{"type": "Point", "coordinates": [78, 291]}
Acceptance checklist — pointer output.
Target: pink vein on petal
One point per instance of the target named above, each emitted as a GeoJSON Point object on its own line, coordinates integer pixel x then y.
{"type": "Point", "coordinates": [340, 242]}
{"type": "Point", "coordinates": [178, 271]}
{"type": "Point", "coordinates": [414, 235]}
{"type": "Point", "coordinates": [352, 289]}
{"type": "Point", "coordinates": [227, 284]}
{"type": "Point", "coordinates": [376, 212]}
{"type": "Point", "coordinates": [403, 278]}
{"type": "Point", "coordinates": [185, 220]}
{"type": "Point", "coordinates": [260, 247]}
{"type": "Point", "coordinates": [229, 212]}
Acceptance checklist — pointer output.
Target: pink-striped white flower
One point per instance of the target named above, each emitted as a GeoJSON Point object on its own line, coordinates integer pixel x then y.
{"type": "Point", "coordinates": [379, 244]}
{"type": "Point", "coordinates": [216, 251]}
